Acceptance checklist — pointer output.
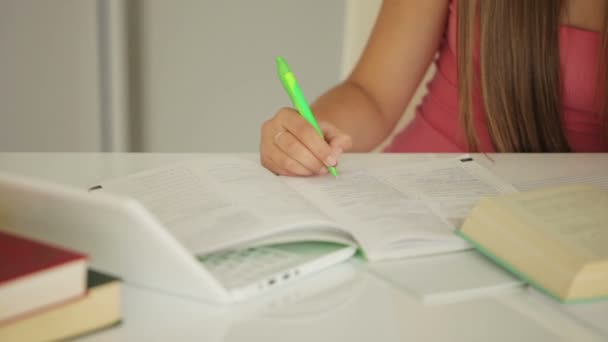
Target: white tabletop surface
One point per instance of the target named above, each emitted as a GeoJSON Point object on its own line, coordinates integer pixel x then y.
{"type": "Point", "coordinates": [348, 302]}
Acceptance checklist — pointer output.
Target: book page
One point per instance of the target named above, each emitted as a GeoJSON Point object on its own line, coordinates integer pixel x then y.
{"type": "Point", "coordinates": [386, 222]}
{"type": "Point", "coordinates": [448, 278]}
{"type": "Point", "coordinates": [576, 216]}
{"type": "Point", "coordinates": [453, 186]}
{"type": "Point", "coordinates": [403, 210]}
{"type": "Point", "coordinates": [216, 203]}
{"type": "Point", "coordinates": [599, 179]}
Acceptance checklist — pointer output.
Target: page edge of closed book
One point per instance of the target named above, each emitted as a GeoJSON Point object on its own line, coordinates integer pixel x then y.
{"type": "Point", "coordinates": [104, 282]}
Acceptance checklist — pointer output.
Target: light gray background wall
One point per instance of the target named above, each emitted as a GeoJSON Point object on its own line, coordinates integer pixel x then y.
{"type": "Point", "coordinates": [201, 74]}
{"type": "Point", "coordinates": [48, 76]}
{"type": "Point", "coordinates": [207, 72]}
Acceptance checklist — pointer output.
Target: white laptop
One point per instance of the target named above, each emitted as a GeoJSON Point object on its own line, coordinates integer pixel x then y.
{"type": "Point", "coordinates": [123, 238]}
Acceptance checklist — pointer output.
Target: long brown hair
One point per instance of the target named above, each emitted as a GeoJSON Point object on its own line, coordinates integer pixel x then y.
{"type": "Point", "coordinates": [520, 73]}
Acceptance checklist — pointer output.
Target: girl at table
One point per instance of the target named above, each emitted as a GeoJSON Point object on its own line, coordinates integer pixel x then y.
{"type": "Point", "coordinates": [512, 76]}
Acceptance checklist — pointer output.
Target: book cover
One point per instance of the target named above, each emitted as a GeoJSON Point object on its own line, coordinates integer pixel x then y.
{"type": "Point", "coordinates": [36, 275]}
{"type": "Point", "coordinates": [20, 257]}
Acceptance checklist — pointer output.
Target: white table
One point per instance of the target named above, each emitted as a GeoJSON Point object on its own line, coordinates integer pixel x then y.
{"type": "Point", "coordinates": [346, 303]}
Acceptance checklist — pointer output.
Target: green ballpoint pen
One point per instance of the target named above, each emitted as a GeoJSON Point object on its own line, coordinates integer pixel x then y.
{"type": "Point", "coordinates": [297, 98]}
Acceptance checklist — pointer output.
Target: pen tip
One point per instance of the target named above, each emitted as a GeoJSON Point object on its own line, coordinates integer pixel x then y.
{"type": "Point", "coordinates": [333, 171]}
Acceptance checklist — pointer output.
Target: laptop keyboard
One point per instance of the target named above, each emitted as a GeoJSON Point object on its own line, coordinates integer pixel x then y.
{"type": "Point", "coordinates": [239, 267]}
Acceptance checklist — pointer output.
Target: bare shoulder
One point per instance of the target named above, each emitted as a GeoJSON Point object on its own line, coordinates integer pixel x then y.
{"type": "Point", "coordinates": [585, 14]}
{"type": "Point", "coordinates": [405, 38]}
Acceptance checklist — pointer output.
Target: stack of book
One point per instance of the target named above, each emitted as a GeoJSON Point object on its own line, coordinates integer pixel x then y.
{"type": "Point", "coordinates": [46, 292]}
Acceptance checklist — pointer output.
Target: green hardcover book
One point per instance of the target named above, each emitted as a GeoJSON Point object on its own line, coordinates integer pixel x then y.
{"type": "Point", "coordinates": [555, 239]}
{"type": "Point", "coordinates": [98, 309]}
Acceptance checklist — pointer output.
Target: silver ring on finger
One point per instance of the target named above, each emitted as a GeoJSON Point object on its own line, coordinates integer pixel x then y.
{"type": "Point", "coordinates": [277, 136]}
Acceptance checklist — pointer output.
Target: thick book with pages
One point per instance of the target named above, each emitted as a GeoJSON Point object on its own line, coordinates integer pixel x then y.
{"type": "Point", "coordinates": [99, 308]}
{"type": "Point", "coordinates": [555, 238]}
{"type": "Point", "coordinates": [389, 211]}
{"type": "Point", "coordinates": [35, 275]}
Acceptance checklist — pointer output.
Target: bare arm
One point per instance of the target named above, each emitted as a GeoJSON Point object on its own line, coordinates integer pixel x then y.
{"type": "Point", "coordinates": [362, 111]}
{"type": "Point", "coordinates": [403, 43]}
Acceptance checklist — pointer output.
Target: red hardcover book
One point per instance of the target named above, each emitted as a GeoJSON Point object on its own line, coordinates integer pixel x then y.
{"type": "Point", "coordinates": [36, 275]}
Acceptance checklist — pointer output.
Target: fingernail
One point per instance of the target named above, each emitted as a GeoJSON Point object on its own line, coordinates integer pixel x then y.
{"type": "Point", "coordinates": [331, 161]}
{"type": "Point", "coordinates": [338, 152]}
{"type": "Point", "coordinates": [323, 171]}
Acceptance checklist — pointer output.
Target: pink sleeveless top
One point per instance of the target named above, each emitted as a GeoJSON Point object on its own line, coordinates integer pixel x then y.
{"type": "Point", "coordinates": [436, 127]}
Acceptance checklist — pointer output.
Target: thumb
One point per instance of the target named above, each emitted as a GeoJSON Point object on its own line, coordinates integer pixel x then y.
{"type": "Point", "coordinates": [336, 138]}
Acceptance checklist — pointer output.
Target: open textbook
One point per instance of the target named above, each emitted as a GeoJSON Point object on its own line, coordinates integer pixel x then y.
{"type": "Point", "coordinates": [220, 203]}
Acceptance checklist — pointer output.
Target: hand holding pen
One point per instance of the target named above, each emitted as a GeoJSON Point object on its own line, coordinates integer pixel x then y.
{"type": "Point", "coordinates": [294, 143]}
